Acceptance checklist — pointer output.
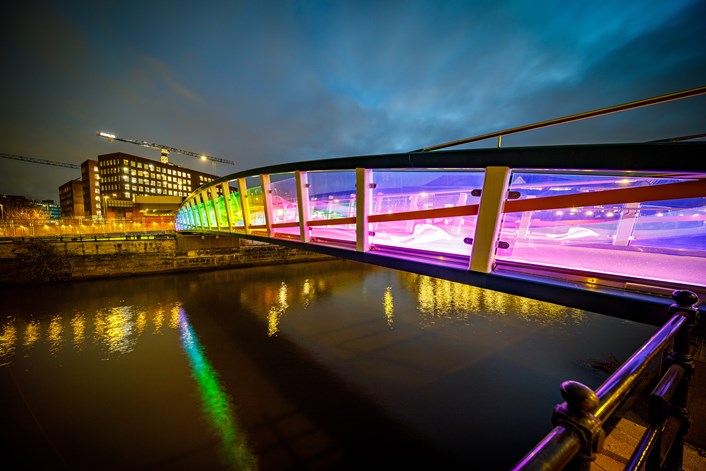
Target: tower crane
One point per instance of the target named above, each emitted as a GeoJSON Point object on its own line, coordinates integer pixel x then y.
{"type": "Point", "coordinates": [164, 149]}
{"type": "Point", "coordinates": [38, 161]}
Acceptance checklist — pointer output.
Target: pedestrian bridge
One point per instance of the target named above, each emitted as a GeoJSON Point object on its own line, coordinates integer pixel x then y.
{"type": "Point", "coordinates": [574, 225]}
{"type": "Point", "coordinates": [612, 228]}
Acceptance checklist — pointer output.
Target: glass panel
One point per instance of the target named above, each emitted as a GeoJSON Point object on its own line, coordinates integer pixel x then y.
{"type": "Point", "coordinates": [211, 213]}
{"type": "Point", "coordinates": [660, 240]}
{"type": "Point", "coordinates": [203, 215]}
{"type": "Point", "coordinates": [256, 204]}
{"type": "Point", "coordinates": [401, 191]}
{"type": "Point", "coordinates": [235, 208]}
{"type": "Point", "coordinates": [332, 196]}
{"type": "Point", "coordinates": [284, 203]}
{"type": "Point", "coordinates": [222, 212]}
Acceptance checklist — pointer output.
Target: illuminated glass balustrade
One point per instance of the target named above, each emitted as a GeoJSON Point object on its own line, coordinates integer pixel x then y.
{"type": "Point", "coordinates": [637, 218]}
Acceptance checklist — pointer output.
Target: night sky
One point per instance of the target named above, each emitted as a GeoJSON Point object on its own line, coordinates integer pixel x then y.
{"type": "Point", "coordinates": [266, 82]}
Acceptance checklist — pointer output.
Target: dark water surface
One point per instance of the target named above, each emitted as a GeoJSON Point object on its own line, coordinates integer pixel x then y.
{"type": "Point", "coordinates": [327, 365]}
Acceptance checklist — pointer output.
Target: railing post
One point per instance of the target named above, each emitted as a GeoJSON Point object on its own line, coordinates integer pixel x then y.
{"type": "Point", "coordinates": [244, 203]}
{"type": "Point", "coordinates": [214, 198]}
{"type": "Point", "coordinates": [685, 302]}
{"type": "Point", "coordinates": [362, 209]}
{"type": "Point", "coordinates": [303, 205]}
{"type": "Point", "coordinates": [267, 203]}
{"type": "Point", "coordinates": [576, 414]}
{"type": "Point", "coordinates": [490, 212]}
{"type": "Point", "coordinates": [226, 200]}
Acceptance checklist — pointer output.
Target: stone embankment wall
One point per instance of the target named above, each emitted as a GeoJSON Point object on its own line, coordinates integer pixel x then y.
{"type": "Point", "coordinates": [86, 259]}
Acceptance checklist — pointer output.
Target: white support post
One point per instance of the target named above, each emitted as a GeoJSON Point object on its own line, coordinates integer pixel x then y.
{"type": "Point", "coordinates": [267, 203]}
{"type": "Point", "coordinates": [204, 197]}
{"type": "Point", "coordinates": [214, 197]}
{"type": "Point", "coordinates": [362, 209]}
{"type": "Point", "coordinates": [243, 190]}
{"type": "Point", "coordinates": [626, 225]}
{"type": "Point", "coordinates": [525, 219]}
{"type": "Point", "coordinates": [198, 202]}
{"type": "Point", "coordinates": [229, 211]}
{"type": "Point", "coordinates": [194, 213]}
{"type": "Point", "coordinates": [492, 201]}
{"type": "Point", "coordinates": [303, 205]}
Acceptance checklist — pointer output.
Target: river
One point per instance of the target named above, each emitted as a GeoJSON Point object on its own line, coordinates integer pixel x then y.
{"type": "Point", "coordinates": [329, 365]}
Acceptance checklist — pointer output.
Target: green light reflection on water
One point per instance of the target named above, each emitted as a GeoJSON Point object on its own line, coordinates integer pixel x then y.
{"type": "Point", "coordinates": [216, 404]}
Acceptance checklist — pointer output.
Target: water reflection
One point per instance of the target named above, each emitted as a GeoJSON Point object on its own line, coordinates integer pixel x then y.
{"type": "Point", "coordinates": [436, 300]}
{"type": "Point", "coordinates": [54, 334]}
{"type": "Point", "coordinates": [388, 306]}
{"type": "Point", "coordinates": [115, 329]}
{"type": "Point", "coordinates": [8, 339]}
{"type": "Point", "coordinates": [78, 325]}
{"type": "Point", "coordinates": [441, 299]}
{"type": "Point", "coordinates": [118, 329]}
{"type": "Point", "coordinates": [216, 403]}
{"type": "Point", "coordinates": [277, 310]}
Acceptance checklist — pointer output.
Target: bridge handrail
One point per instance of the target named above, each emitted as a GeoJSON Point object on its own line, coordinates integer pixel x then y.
{"type": "Point", "coordinates": [578, 433]}
{"type": "Point", "coordinates": [579, 116]}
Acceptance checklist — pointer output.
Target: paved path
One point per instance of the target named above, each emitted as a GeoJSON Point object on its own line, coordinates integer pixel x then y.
{"type": "Point", "coordinates": [623, 439]}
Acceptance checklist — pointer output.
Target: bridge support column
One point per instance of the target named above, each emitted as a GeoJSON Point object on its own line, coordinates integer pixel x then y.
{"type": "Point", "coordinates": [362, 209]}
{"type": "Point", "coordinates": [229, 211]}
{"type": "Point", "coordinates": [204, 197]}
{"type": "Point", "coordinates": [267, 203]}
{"type": "Point", "coordinates": [214, 197]}
{"type": "Point", "coordinates": [303, 205]}
{"type": "Point", "coordinates": [203, 217]}
{"type": "Point", "coordinates": [243, 190]}
{"type": "Point", "coordinates": [490, 213]}
{"type": "Point", "coordinates": [626, 225]}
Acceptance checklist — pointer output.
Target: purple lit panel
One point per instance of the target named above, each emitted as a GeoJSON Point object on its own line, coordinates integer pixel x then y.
{"type": "Point", "coordinates": [450, 235]}
{"type": "Point", "coordinates": [283, 194]}
{"type": "Point", "coordinates": [400, 191]}
{"type": "Point", "coordinates": [646, 240]}
{"type": "Point", "coordinates": [332, 196]}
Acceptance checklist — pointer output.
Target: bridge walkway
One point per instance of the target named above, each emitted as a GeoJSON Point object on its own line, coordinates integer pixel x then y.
{"type": "Point", "coordinates": [625, 435]}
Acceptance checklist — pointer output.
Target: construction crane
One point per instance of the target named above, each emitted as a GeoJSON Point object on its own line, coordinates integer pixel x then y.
{"type": "Point", "coordinates": [164, 149]}
{"type": "Point", "coordinates": [38, 161]}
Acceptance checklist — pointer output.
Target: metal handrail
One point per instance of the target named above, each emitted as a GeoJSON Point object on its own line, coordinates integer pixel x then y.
{"type": "Point", "coordinates": [575, 117]}
{"type": "Point", "coordinates": [578, 434]}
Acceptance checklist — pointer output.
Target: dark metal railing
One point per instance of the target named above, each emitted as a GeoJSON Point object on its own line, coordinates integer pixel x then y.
{"type": "Point", "coordinates": [577, 117]}
{"type": "Point", "coordinates": [578, 433]}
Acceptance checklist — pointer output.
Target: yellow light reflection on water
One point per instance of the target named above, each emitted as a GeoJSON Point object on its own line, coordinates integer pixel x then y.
{"type": "Point", "coordinates": [140, 322]}
{"type": "Point", "coordinates": [54, 332]}
{"type": "Point", "coordinates": [32, 331]}
{"type": "Point", "coordinates": [441, 299]}
{"type": "Point", "coordinates": [117, 329]}
{"type": "Point", "coordinates": [388, 306]}
{"type": "Point", "coordinates": [8, 340]}
{"type": "Point", "coordinates": [114, 328]}
{"type": "Point", "coordinates": [158, 319]}
{"type": "Point", "coordinates": [78, 325]}
{"type": "Point", "coordinates": [174, 317]}
{"type": "Point", "coordinates": [307, 292]}
{"type": "Point", "coordinates": [277, 310]}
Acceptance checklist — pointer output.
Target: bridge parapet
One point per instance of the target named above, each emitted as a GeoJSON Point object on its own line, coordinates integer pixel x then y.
{"type": "Point", "coordinates": [619, 216]}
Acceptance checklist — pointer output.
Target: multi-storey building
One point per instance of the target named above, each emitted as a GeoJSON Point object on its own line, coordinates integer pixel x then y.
{"type": "Point", "coordinates": [71, 199]}
{"type": "Point", "coordinates": [90, 177]}
{"type": "Point", "coordinates": [110, 186]}
{"type": "Point", "coordinates": [124, 177]}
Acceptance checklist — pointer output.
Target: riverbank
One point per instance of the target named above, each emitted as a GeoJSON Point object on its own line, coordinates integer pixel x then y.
{"type": "Point", "coordinates": [28, 260]}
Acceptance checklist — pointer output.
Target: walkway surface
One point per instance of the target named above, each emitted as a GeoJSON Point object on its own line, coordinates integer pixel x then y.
{"type": "Point", "coordinates": [623, 439]}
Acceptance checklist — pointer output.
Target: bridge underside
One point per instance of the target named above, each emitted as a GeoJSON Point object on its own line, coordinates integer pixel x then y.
{"type": "Point", "coordinates": [610, 228]}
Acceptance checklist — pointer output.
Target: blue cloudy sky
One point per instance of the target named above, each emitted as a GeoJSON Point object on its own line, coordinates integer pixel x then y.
{"type": "Point", "coordinates": [265, 82]}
